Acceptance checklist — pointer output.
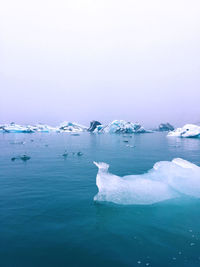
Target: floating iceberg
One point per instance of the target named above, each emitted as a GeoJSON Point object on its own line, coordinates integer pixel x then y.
{"type": "Point", "coordinates": [93, 125]}
{"type": "Point", "coordinates": [44, 128]}
{"type": "Point", "coordinates": [167, 180]}
{"type": "Point", "coordinates": [165, 127]}
{"type": "Point", "coordinates": [72, 127]}
{"type": "Point", "coordinates": [189, 130]}
{"type": "Point", "coordinates": [120, 126]}
{"type": "Point", "coordinates": [15, 128]}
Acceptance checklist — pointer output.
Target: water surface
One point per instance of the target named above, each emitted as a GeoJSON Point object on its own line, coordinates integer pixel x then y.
{"type": "Point", "coordinates": [48, 216]}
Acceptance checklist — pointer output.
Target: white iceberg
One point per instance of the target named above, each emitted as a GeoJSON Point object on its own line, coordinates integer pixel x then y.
{"type": "Point", "coordinates": [188, 130]}
{"type": "Point", "coordinates": [72, 127]}
{"type": "Point", "coordinates": [44, 128]}
{"type": "Point", "coordinates": [120, 126]}
{"type": "Point", "coordinates": [15, 128]}
{"type": "Point", "coordinates": [167, 180]}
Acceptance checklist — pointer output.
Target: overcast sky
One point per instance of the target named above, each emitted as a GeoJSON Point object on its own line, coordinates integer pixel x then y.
{"type": "Point", "coordinates": [80, 60]}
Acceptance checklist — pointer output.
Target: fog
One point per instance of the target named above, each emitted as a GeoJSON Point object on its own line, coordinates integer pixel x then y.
{"type": "Point", "coordinates": [108, 59]}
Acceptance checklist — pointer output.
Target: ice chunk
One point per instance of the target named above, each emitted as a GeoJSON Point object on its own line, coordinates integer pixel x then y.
{"type": "Point", "coordinates": [93, 125]}
{"type": "Point", "coordinates": [72, 127]}
{"type": "Point", "coordinates": [165, 127]}
{"type": "Point", "coordinates": [44, 128]}
{"type": "Point", "coordinates": [188, 130]}
{"type": "Point", "coordinates": [15, 128]}
{"type": "Point", "coordinates": [121, 126]}
{"type": "Point", "coordinates": [167, 180]}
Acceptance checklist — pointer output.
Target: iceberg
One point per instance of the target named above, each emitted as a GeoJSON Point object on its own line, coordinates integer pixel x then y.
{"type": "Point", "coordinates": [72, 127]}
{"type": "Point", "coordinates": [166, 180]}
{"type": "Point", "coordinates": [165, 127]}
{"type": "Point", "coordinates": [120, 126]}
{"type": "Point", "coordinates": [93, 125]}
{"type": "Point", "coordinates": [44, 128]}
{"type": "Point", "coordinates": [15, 128]}
{"type": "Point", "coordinates": [188, 131]}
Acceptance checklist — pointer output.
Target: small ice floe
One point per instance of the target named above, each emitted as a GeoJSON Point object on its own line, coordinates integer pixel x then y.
{"type": "Point", "coordinates": [130, 146]}
{"type": "Point", "coordinates": [18, 143]}
{"type": "Point", "coordinates": [65, 154]}
{"type": "Point", "coordinates": [23, 158]}
{"type": "Point", "coordinates": [75, 134]}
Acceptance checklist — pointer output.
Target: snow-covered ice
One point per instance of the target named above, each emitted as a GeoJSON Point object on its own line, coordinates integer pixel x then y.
{"type": "Point", "coordinates": [15, 128]}
{"type": "Point", "coordinates": [188, 130]}
{"type": "Point", "coordinates": [166, 180]}
{"type": "Point", "coordinates": [42, 128]}
{"type": "Point", "coordinates": [72, 127]}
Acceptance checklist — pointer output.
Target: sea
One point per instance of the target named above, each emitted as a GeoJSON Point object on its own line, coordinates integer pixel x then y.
{"type": "Point", "coordinates": [48, 216]}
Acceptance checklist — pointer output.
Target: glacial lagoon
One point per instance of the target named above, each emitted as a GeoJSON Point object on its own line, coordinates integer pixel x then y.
{"type": "Point", "coordinates": [48, 216]}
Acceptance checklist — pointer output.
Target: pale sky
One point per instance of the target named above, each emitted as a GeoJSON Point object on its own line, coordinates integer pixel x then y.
{"type": "Point", "coordinates": [82, 60]}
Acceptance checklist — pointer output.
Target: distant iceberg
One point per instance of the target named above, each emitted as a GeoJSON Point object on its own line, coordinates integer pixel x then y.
{"type": "Point", "coordinates": [72, 127]}
{"type": "Point", "coordinates": [42, 128]}
{"type": "Point", "coordinates": [15, 128]}
{"type": "Point", "coordinates": [120, 126]}
{"type": "Point", "coordinates": [167, 180]}
{"type": "Point", "coordinates": [188, 131]}
{"type": "Point", "coordinates": [93, 125]}
{"type": "Point", "coordinates": [165, 127]}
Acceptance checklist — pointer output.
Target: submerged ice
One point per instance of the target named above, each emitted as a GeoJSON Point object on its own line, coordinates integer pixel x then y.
{"type": "Point", "coordinates": [166, 180]}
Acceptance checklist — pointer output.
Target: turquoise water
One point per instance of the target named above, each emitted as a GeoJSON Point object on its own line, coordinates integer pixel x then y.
{"type": "Point", "coordinates": [48, 216]}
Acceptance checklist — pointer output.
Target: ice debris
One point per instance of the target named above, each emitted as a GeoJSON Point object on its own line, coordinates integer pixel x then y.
{"type": "Point", "coordinates": [188, 130]}
{"type": "Point", "coordinates": [166, 180]}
